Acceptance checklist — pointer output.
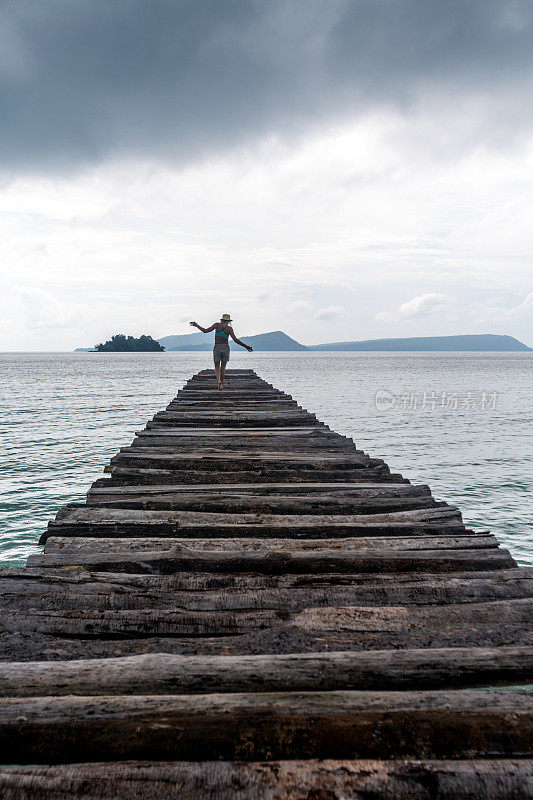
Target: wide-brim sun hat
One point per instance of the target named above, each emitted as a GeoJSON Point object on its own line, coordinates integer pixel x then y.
{"type": "Point", "coordinates": [226, 318]}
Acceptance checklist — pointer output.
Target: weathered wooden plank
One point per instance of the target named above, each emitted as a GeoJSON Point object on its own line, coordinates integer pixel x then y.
{"type": "Point", "coordinates": [242, 459]}
{"type": "Point", "coordinates": [248, 504]}
{"type": "Point", "coordinates": [237, 392]}
{"type": "Point", "coordinates": [454, 667]}
{"type": "Point", "coordinates": [257, 489]}
{"type": "Point", "coordinates": [242, 408]}
{"type": "Point", "coordinates": [279, 562]}
{"type": "Point", "coordinates": [148, 623]}
{"type": "Point", "coordinates": [360, 491]}
{"type": "Point", "coordinates": [32, 645]}
{"type": "Point", "coordinates": [495, 779]}
{"type": "Point", "coordinates": [58, 544]}
{"type": "Point", "coordinates": [23, 589]}
{"type": "Point", "coordinates": [254, 415]}
{"type": "Point", "coordinates": [75, 520]}
{"type": "Point", "coordinates": [265, 474]}
{"type": "Point", "coordinates": [232, 403]}
{"type": "Point", "coordinates": [248, 419]}
{"type": "Point", "coordinates": [250, 727]}
{"type": "Point", "coordinates": [285, 444]}
{"type": "Point", "coordinates": [312, 432]}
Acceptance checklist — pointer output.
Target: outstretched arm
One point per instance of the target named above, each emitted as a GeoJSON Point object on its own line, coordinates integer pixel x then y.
{"type": "Point", "coordinates": [204, 330]}
{"type": "Point", "coordinates": [238, 341]}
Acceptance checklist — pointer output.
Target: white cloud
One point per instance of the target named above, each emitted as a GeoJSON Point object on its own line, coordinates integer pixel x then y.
{"type": "Point", "coordinates": [330, 312]}
{"type": "Point", "coordinates": [343, 220]}
{"type": "Point", "coordinates": [490, 312]}
{"type": "Point", "coordinates": [419, 306]}
{"type": "Point", "coordinates": [299, 305]}
{"type": "Point", "coordinates": [44, 311]}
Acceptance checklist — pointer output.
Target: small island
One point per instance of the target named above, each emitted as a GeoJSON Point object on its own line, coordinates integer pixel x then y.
{"type": "Point", "coordinates": [128, 344]}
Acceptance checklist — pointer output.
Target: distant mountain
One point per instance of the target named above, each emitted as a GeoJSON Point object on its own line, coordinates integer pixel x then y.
{"type": "Point", "coordinates": [275, 340]}
{"type": "Point", "coordinates": [466, 343]}
{"type": "Point", "coordinates": [185, 341]}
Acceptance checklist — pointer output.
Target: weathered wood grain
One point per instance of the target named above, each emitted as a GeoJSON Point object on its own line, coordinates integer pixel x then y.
{"type": "Point", "coordinates": [75, 520]}
{"type": "Point", "coordinates": [236, 418]}
{"type": "Point", "coordinates": [495, 779]}
{"type": "Point", "coordinates": [349, 619]}
{"type": "Point", "coordinates": [58, 544]}
{"type": "Point", "coordinates": [243, 459]}
{"type": "Point", "coordinates": [265, 403]}
{"type": "Point", "coordinates": [257, 726]}
{"type": "Point", "coordinates": [247, 504]}
{"type": "Point", "coordinates": [26, 589]}
{"type": "Point", "coordinates": [257, 489]}
{"type": "Point", "coordinates": [271, 474]}
{"type": "Point", "coordinates": [280, 562]}
{"type": "Point", "coordinates": [455, 667]}
{"type": "Point", "coordinates": [35, 646]}
{"type": "Point", "coordinates": [249, 443]}
{"type": "Point", "coordinates": [312, 432]}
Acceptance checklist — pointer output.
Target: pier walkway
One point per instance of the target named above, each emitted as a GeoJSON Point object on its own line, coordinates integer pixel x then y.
{"type": "Point", "coordinates": [247, 606]}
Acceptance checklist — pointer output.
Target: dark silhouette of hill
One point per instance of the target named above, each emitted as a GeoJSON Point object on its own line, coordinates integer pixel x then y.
{"type": "Point", "coordinates": [487, 342]}
{"type": "Point", "coordinates": [128, 344]}
{"type": "Point", "coordinates": [275, 340]}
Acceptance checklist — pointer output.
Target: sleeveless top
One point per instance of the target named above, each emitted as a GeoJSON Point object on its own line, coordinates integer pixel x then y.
{"type": "Point", "coordinates": [223, 337]}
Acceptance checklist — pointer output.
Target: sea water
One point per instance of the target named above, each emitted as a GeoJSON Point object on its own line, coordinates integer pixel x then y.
{"type": "Point", "coordinates": [459, 422]}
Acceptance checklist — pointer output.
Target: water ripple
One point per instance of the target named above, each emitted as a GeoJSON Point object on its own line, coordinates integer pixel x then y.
{"type": "Point", "coordinates": [64, 415]}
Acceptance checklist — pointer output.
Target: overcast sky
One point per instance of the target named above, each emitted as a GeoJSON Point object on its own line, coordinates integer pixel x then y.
{"type": "Point", "coordinates": [337, 169]}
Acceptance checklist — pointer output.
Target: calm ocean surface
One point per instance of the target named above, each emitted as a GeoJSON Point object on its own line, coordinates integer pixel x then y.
{"type": "Point", "coordinates": [457, 421]}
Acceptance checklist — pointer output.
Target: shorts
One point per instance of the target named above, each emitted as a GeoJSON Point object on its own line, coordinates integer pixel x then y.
{"type": "Point", "coordinates": [221, 352]}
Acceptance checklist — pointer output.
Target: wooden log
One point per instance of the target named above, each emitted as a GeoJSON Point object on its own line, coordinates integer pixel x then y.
{"type": "Point", "coordinates": [26, 589]}
{"type": "Point", "coordinates": [284, 444]}
{"type": "Point", "coordinates": [264, 435]}
{"type": "Point", "coordinates": [245, 420]}
{"type": "Point", "coordinates": [257, 489]}
{"type": "Point", "coordinates": [210, 446]}
{"type": "Point", "coordinates": [231, 403]}
{"type": "Point", "coordinates": [121, 475]}
{"type": "Point", "coordinates": [234, 407]}
{"type": "Point", "coordinates": [495, 779]}
{"type": "Point", "coordinates": [32, 645]}
{"type": "Point", "coordinates": [298, 493]}
{"type": "Point", "coordinates": [251, 727]}
{"type": "Point", "coordinates": [279, 562]}
{"type": "Point", "coordinates": [58, 544]}
{"type": "Point", "coordinates": [292, 414]}
{"type": "Point", "coordinates": [242, 459]}
{"type": "Point", "coordinates": [312, 432]}
{"type": "Point", "coordinates": [342, 621]}
{"type": "Point", "coordinates": [454, 667]}
{"type": "Point", "coordinates": [238, 393]}
{"type": "Point", "coordinates": [74, 520]}
{"type": "Point", "coordinates": [248, 504]}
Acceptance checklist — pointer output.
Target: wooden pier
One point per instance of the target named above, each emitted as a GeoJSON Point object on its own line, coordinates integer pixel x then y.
{"type": "Point", "coordinates": [247, 606]}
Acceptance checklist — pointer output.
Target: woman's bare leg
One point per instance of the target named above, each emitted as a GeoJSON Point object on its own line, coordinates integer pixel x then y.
{"type": "Point", "coordinates": [222, 371]}
{"type": "Point", "coordinates": [217, 372]}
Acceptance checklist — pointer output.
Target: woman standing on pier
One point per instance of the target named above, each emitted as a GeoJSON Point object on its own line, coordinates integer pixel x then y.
{"type": "Point", "coordinates": [223, 331]}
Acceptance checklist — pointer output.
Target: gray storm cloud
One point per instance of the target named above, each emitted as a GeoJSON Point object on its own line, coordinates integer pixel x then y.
{"type": "Point", "coordinates": [84, 80]}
